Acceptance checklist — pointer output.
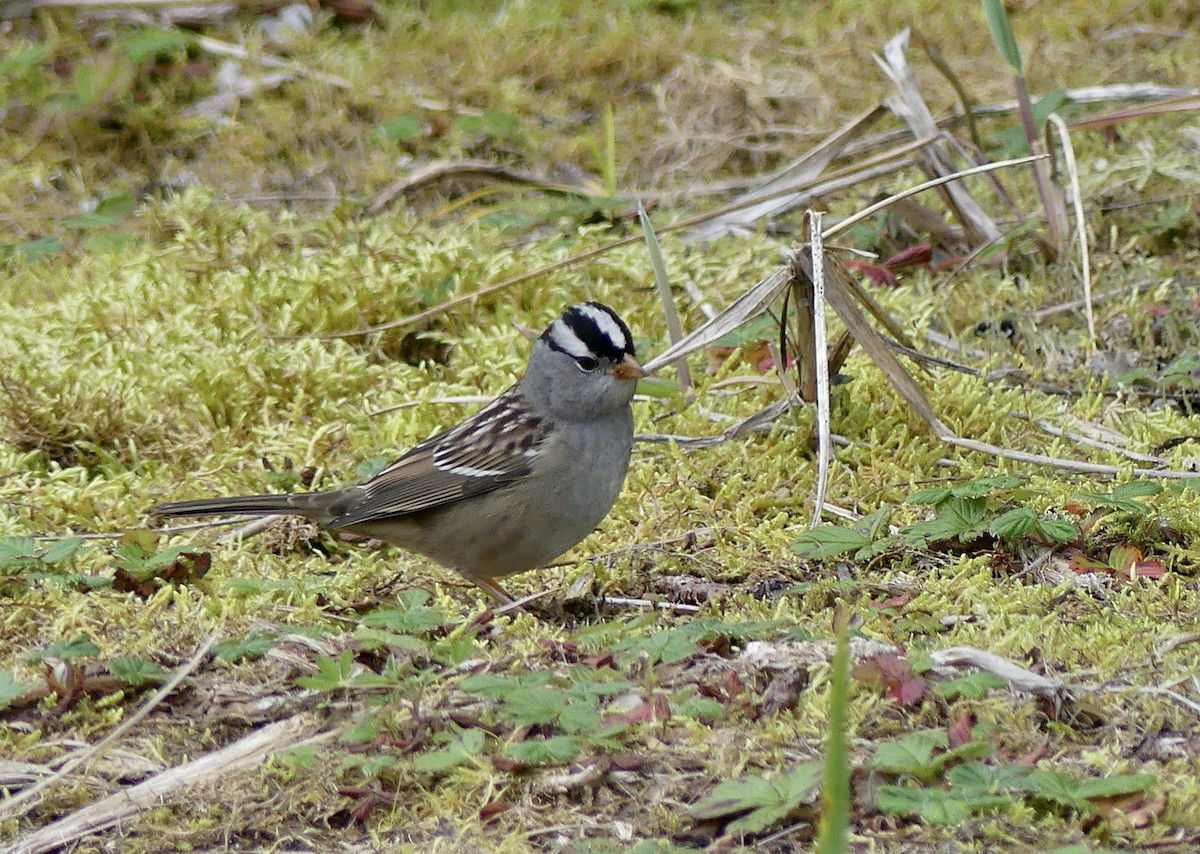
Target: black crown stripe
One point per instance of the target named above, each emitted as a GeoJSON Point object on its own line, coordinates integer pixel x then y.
{"type": "Point", "coordinates": [597, 340]}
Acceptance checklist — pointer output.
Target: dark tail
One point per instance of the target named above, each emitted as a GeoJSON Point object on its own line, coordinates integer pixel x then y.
{"type": "Point", "coordinates": [307, 504]}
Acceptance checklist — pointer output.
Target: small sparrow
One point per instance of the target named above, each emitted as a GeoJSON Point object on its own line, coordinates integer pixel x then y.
{"type": "Point", "coordinates": [513, 486]}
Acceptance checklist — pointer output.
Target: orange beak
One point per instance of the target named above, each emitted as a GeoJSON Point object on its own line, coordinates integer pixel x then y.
{"type": "Point", "coordinates": [629, 369]}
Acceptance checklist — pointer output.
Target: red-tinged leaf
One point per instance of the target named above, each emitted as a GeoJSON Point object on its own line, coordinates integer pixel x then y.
{"type": "Point", "coordinates": [893, 673]}
{"type": "Point", "coordinates": [732, 684]}
{"type": "Point", "coordinates": [893, 666]}
{"type": "Point", "coordinates": [949, 262]}
{"type": "Point", "coordinates": [768, 364]}
{"type": "Point", "coordinates": [1149, 569]}
{"type": "Point", "coordinates": [878, 275]}
{"type": "Point", "coordinates": [187, 567]}
{"type": "Point", "coordinates": [893, 602]}
{"type": "Point", "coordinates": [1082, 564]}
{"type": "Point", "coordinates": [643, 713]}
{"type": "Point", "coordinates": [350, 10]}
{"type": "Point", "coordinates": [364, 801]}
{"type": "Point", "coordinates": [490, 811]}
{"type": "Point", "coordinates": [1127, 562]}
{"type": "Point", "coordinates": [1133, 814]}
{"type": "Point", "coordinates": [717, 356]}
{"type": "Point", "coordinates": [754, 351]}
{"type": "Point", "coordinates": [910, 257]}
{"type": "Point", "coordinates": [908, 692]}
{"type": "Point", "coordinates": [880, 670]}
{"type": "Point", "coordinates": [1033, 757]}
{"type": "Point", "coordinates": [959, 732]}
{"type": "Point", "coordinates": [1123, 562]}
{"type": "Point", "coordinates": [1122, 558]}
{"type": "Point", "coordinates": [1157, 310]}
{"type": "Point", "coordinates": [468, 721]}
{"type": "Point", "coordinates": [655, 709]}
{"type": "Point", "coordinates": [720, 645]}
{"type": "Point", "coordinates": [68, 688]}
{"type": "Point", "coordinates": [1116, 806]}
{"type": "Point", "coordinates": [1076, 509]}
{"type": "Point", "coordinates": [868, 672]}
{"type": "Point", "coordinates": [784, 691]}
{"type": "Point", "coordinates": [598, 661]}
{"type": "Point", "coordinates": [628, 761]}
{"type": "Point", "coordinates": [563, 650]}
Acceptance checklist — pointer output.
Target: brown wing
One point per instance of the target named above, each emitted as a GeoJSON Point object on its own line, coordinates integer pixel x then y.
{"type": "Point", "coordinates": [498, 445]}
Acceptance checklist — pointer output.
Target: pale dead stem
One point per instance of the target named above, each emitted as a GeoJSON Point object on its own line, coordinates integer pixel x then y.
{"type": "Point", "coordinates": [821, 353]}
{"type": "Point", "coordinates": [936, 157]}
{"type": "Point", "coordinates": [248, 752]}
{"type": "Point", "coordinates": [1085, 262]}
{"type": "Point", "coordinates": [779, 192]}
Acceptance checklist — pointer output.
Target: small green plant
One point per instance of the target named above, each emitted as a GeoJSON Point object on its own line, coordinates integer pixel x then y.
{"type": "Point", "coordinates": [137, 671]}
{"type": "Point", "coordinates": [492, 124]}
{"type": "Point", "coordinates": [402, 128]}
{"type": "Point", "coordinates": [145, 563]}
{"type": "Point", "coordinates": [538, 699]}
{"type": "Point", "coordinates": [21, 553]}
{"type": "Point", "coordinates": [33, 562]}
{"type": "Point", "coordinates": [973, 686]}
{"type": "Point", "coordinates": [662, 647]}
{"type": "Point", "coordinates": [463, 747]}
{"type": "Point", "coordinates": [333, 674]}
{"type": "Point", "coordinates": [970, 789]}
{"type": "Point", "coordinates": [538, 750]}
{"type": "Point", "coordinates": [942, 784]}
{"type": "Point", "coordinates": [416, 627]}
{"type": "Point", "coordinates": [10, 689]}
{"type": "Point", "coordinates": [760, 802]}
{"type": "Point", "coordinates": [1012, 141]}
{"type": "Point", "coordinates": [142, 568]}
{"type": "Point", "coordinates": [412, 614]}
{"type": "Point", "coordinates": [674, 644]}
{"type": "Point", "coordinates": [253, 645]}
{"type": "Point", "coordinates": [979, 507]}
{"type": "Point", "coordinates": [1124, 498]}
{"type": "Point", "coordinates": [978, 512]}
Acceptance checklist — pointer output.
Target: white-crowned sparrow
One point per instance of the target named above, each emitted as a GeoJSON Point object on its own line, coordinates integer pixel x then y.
{"type": "Point", "coordinates": [516, 484]}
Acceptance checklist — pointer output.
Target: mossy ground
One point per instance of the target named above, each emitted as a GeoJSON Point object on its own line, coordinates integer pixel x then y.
{"type": "Point", "coordinates": [165, 346]}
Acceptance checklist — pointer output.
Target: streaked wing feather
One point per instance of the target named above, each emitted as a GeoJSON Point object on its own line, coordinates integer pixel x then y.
{"type": "Point", "coordinates": [496, 446]}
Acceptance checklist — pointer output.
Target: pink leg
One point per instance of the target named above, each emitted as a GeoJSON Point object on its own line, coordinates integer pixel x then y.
{"type": "Point", "coordinates": [497, 592]}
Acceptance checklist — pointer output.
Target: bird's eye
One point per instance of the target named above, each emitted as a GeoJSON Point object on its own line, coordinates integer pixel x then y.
{"type": "Point", "coordinates": [587, 363]}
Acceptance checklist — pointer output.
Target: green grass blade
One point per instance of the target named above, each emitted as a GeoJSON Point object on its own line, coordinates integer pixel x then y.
{"type": "Point", "coordinates": [674, 328]}
{"type": "Point", "coordinates": [609, 166]}
{"type": "Point", "coordinates": [834, 834]}
{"type": "Point", "coordinates": [1002, 34]}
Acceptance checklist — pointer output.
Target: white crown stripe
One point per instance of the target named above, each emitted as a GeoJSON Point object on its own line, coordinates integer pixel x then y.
{"type": "Point", "coordinates": [568, 341]}
{"type": "Point", "coordinates": [605, 323]}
